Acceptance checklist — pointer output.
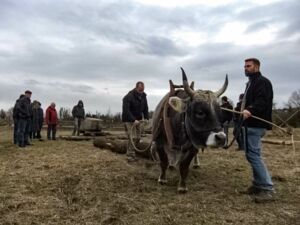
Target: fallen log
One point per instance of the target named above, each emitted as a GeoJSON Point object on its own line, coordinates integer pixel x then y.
{"type": "Point", "coordinates": [76, 138]}
{"type": "Point", "coordinates": [120, 146]}
{"type": "Point", "coordinates": [276, 142]}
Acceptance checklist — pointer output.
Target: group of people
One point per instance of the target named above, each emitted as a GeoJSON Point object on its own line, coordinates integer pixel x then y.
{"type": "Point", "coordinates": [28, 120]}
{"type": "Point", "coordinates": [257, 100]}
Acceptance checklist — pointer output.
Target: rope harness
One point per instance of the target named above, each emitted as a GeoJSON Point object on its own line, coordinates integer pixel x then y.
{"type": "Point", "coordinates": [148, 147]}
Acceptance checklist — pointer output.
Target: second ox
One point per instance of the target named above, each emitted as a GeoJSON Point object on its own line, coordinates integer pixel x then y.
{"type": "Point", "coordinates": [184, 121]}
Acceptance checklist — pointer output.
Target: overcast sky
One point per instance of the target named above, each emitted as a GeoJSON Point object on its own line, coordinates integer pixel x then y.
{"type": "Point", "coordinates": [66, 50]}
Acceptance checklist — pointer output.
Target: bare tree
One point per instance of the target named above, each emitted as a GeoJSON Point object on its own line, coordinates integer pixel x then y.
{"type": "Point", "coordinates": [65, 113]}
{"type": "Point", "coordinates": [294, 100]}
{"type": "Point", "coordinates": [2, 114]}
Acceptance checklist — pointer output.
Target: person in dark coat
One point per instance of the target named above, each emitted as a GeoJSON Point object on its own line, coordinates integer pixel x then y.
{"type": "Point", "coordinates": [40, 121]}
{"type": "Point", "coordinates": [52, 121]}
{"type": "Point", "coordinates": [78, 114]}
{"type": "Point", "coordinates": [259, 102]}
{"type": "Point", "coordinates": [237, 120]}
{"type": "Point", "coordinates": [134, 109]}
{"type": "Point", "coordinates": [24, 113]}
{"type": "Point", "coordinates": [16, 119]}
{"type": "Point", "coordinates": [226, 116]}
{"type": "Point", "coordinates": [37, 119]}
{"type": "Point", "coordinates": [34, 123]}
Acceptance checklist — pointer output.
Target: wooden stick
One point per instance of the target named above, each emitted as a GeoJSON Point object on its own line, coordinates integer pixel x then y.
{"type": "Point", "coordinates": [292, 136]}
{"type": "Point", "coordinates": [268, 122]}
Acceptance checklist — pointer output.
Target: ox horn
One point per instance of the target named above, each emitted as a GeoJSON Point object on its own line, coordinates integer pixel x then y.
{"type": "Point", "coordinates": [222, 89]}
{"type": "Point", "coordinates": [186, 86]}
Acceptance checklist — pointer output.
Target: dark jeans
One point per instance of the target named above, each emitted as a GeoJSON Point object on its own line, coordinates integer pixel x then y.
{"type": "Point", "coordinates": [51, 132]}
{"type": "Point", "coordinates": [22, 137]}
{"type": "Point", "coordinates": [29, 128]}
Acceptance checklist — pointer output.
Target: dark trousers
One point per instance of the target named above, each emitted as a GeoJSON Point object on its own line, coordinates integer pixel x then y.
{"type": "Point", "coordinates": [22, 137]}
{"type": "Point", "coordinates": [239, 136]}
{"type": "Point", "coordinates": [38, 134]}
{"type": "Point", "coordinates": [15, 131]}
{"type": "Point", "coordinates": [51, 132]}
{"type": "Point", "coordinates": [29, 129]}
{"type": "Point", "coordinates": [39, 130]}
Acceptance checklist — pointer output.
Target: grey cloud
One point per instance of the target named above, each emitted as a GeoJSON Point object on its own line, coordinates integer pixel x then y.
{"type": "Point", "coordinates": [73, 88]}
{"type": "Point", "coordinates": [159, 46]}
{"type": "Point", "coordinates": [31, 82]}
{"type": "Point", "coordinates": [257, 26]}
{"type": "Point", "coordinates": [61, 47]}
{"type": "Point", "coordinates": [284, 13]}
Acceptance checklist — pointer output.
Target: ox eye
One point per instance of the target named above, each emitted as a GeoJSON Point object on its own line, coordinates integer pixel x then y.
{"type": "Point", "coordinates": [200, 115]}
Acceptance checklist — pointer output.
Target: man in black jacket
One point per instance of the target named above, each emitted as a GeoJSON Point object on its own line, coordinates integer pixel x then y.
{"type": "Point", "coordinates": [16, 118]}
{"type": "Point", "coordinates": [23, 113]}
{"type": "Point", "coordinates": [135, 109]}
{"type": "Point", "coordinates": [78, 114]}
{"type": "Point", "coordinates": [258, 102]}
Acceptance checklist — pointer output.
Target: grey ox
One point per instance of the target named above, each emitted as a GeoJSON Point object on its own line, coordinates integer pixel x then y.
{"type": "Point", "coordinates": [184, 121]}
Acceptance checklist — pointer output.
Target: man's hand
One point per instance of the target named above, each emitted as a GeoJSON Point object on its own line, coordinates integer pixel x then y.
{"type": "Point", "coordinates": [246, 114]}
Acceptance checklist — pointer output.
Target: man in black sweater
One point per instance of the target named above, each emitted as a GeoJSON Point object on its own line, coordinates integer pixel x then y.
{"type": "Point", "coordinates": [135, 109]}
{"type": "Point", "coordinates": [226, 116]}
{"type": "Point", "coordinates": [258, 102]}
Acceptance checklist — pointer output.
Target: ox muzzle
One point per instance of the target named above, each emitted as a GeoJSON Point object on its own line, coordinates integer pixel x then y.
{"type": "Point", "coordinates": [216, 139]}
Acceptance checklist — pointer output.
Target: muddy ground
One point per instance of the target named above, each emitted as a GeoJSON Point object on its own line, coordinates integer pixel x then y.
{"type": "Point", "coordinates": [65, 182]}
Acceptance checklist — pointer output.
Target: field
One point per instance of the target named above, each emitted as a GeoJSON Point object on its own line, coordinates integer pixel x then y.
{"type": "Point", "coordinates": [65, 182]}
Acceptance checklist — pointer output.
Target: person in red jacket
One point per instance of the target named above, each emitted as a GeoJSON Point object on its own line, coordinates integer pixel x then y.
{"type": "Point", "coordinates": [51, 121]}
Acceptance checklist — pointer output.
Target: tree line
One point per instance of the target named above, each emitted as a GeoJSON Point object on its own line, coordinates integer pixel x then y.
{"type": "Point", "coordinates": [289, 115]}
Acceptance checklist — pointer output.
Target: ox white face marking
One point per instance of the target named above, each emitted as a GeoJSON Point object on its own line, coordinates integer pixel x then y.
{"type": "Point", "coordinates": [216, 139]}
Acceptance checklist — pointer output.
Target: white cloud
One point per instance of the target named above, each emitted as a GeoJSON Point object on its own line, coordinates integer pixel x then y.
{"type": "Point", "coordinates": [189, 38]}
{"type": "Point", "coordinates": [234, 32]}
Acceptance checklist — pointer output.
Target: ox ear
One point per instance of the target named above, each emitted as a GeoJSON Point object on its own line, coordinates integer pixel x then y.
{"type": "Point", "coordinates": [177, 104]}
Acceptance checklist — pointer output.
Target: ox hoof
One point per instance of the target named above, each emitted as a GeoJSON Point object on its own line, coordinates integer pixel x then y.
{"type": "Point", "coordinates": [162, 181]}
{"type": "Point", "coordinates": [196, 166]}
{"type": "Point", "coordinates": [182, 190]}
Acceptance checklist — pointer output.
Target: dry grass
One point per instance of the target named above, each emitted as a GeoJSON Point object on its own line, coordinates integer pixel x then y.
{"type": "Point", "coordinates": [64, 182]}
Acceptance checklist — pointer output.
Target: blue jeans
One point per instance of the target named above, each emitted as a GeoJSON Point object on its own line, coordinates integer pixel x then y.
{"type": "Point", "coordinates": [261, 176]}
